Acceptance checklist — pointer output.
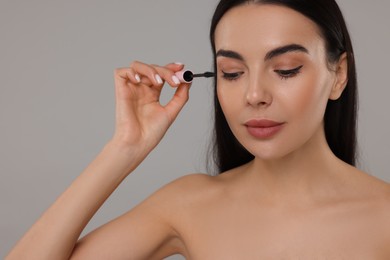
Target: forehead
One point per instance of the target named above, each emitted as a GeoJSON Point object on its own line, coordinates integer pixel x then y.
{"type": "Point", "coordinates": [263, 26]}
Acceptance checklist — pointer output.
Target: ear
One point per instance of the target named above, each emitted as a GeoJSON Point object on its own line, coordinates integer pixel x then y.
{"type": "Point", "coordinates": [341, 77]}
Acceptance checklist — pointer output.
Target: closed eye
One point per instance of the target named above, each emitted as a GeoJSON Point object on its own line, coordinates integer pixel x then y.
{"type": "Point", "coordinates": [231, 76]}
{"type": "Point", "coordinates": [285, 74]}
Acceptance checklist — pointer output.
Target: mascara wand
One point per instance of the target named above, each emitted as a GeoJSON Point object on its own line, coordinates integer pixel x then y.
{"type": "Point", "coordinates": [207, 74]}
{"type": "Point", "coordinates": [186, 76]}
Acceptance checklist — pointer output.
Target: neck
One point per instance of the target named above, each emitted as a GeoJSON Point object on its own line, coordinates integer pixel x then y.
{"type": "Point", "coordinates": [308, 174]}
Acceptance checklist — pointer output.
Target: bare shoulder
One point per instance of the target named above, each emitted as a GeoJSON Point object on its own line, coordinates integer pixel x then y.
{"type": "Point", "coordinates": [383, 216]}
{"type": "Point", "coordinates": [375, 186]}
{"type": "Point", "coordinates": [189, 189]}
{"type": "Point", "coordinates": [198, 187]}
{"type": "Point", "coordinates": [180, 199]}
{"type": "Point", "coordinates": [383, 198]}
{"type": "Point", "coordinates": [375, 190]}
{"type": "Point", "coordinates": [377, 194]}
{"type": "Point", "coordinates": [191, 182]}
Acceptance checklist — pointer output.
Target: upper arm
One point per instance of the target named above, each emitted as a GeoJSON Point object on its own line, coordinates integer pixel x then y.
{"type": "Point", "coordinates": [148, 230]}
{"type": "Point", "coordinates": [145, 232]}
{"type": "Point", "coordinates": [137, 234]}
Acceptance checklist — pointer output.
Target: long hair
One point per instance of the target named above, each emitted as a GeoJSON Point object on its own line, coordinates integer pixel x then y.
{"type": "Point", "coordinates": [340, 114]}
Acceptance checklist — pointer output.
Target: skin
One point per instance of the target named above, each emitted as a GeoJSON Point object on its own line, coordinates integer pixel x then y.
{"type": "Point", "coordinates": [295, 200]}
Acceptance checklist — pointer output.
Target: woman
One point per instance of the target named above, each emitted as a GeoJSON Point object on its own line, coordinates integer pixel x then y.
{"type": "Point", "coordinates": [285, 144]}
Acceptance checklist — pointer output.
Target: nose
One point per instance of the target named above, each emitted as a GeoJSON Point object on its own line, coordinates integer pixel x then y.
{"type": "Point", "coordinates": [258, 93]}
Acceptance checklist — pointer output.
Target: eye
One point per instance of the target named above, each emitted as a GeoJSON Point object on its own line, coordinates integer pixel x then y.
{"type": "Point", "coordinates": [285, 74]}
{"type": "Point", "coordinates": [231, 76]}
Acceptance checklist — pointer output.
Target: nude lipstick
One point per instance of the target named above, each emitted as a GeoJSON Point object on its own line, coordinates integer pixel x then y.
{"type": "Point", "coordinates": [263, 128]}
{"type": "Point", "coordinates": [186, 76]}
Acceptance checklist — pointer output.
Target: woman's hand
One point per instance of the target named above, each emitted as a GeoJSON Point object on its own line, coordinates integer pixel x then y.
{"type": "Point", "coordinates": [141, 120]}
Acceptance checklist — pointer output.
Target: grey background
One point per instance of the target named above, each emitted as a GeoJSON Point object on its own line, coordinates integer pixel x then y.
{"type": "Point", "coordinates": [57, 97]}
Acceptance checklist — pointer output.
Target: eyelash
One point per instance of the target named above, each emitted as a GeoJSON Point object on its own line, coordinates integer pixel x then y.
{"type": "Point", "coordinates": [283, 74]}
{"type": "Point", "coordinates": [231, 76]}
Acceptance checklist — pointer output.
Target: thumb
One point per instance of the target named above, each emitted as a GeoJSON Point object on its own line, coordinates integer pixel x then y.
{"type": "Point", "coordinates": [179, 99]}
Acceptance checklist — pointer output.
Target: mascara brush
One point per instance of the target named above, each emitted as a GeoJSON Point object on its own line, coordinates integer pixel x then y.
{"type": "Point", "coordinates": [186, 76]}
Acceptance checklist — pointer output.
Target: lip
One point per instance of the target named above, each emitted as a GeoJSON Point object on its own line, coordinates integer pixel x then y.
{"type": "Point", "coordinates": [263, 128]}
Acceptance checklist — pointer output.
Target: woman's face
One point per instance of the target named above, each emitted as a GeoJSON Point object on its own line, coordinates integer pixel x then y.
{"type": "Point", "coordinates": [273, 78]}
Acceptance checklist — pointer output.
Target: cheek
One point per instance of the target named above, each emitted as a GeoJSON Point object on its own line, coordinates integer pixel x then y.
{"type": "Point", "coordinates": [308, 98]}
{"type": "Point", "coordinates": [229, 99]}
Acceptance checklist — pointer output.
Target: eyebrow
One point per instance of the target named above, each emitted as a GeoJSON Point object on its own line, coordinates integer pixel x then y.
{"type": "Point", "coordinates": [229, 54]}
{"type": "Point", "coordinates": [270, 55]}
{"type": "Point", "coordinates": [285, 49]}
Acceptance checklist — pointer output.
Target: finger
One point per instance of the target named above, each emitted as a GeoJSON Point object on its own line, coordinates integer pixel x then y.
{"type": "Point", "coordinates": [179, 99]}
{"type": "Point", "coordinates": [123, 75]}
{"type": "Point", "coordinates": [147, 71]}
{"type": "Point", "coordinates": [168, 75]}
{"type": "Point", "coordinates": [175, 66]}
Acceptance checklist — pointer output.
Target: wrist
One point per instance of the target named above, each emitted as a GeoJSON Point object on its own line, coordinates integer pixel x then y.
{"type": "Point", "coordinates": [129, 156]}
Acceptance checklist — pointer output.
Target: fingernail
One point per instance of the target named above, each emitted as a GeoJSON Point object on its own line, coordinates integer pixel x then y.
{"type": "Point", "coordinates": [137, 78]}
{"type": "Point", "coordinates": [158, 79]}
{"type": "Point", "coordinates": [178, 63]}
{"type": "Point", "coordinates": [176, 79]}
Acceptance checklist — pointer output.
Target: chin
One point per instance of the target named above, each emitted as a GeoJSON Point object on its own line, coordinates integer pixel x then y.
{"type": "Point", "coordinates": [266, 153]}
{"type": "Point", "coordinates": [272, 149]}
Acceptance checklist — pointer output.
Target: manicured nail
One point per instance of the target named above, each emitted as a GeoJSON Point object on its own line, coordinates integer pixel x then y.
{"type": "Point", "coordinates": [176, 79]}
{"type": "Point", "coordinates": [158, 79]}
{"type": "Point", "coordinates": [137, 78]}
